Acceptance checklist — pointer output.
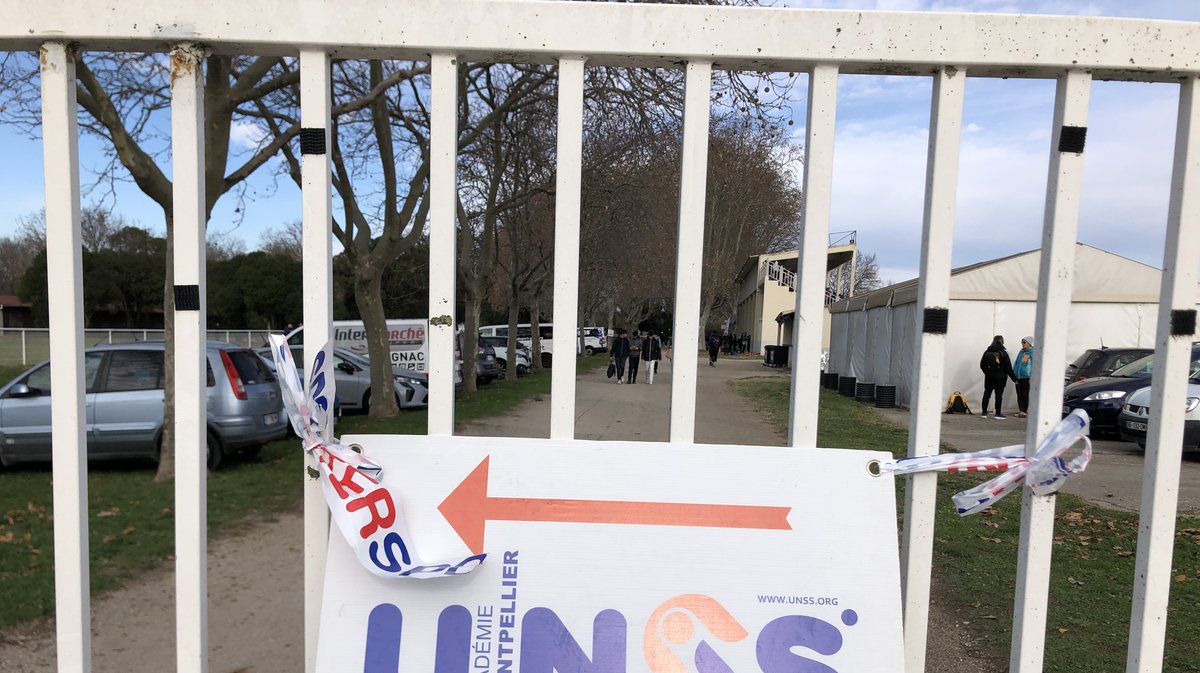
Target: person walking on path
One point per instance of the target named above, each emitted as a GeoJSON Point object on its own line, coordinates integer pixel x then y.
{"type": "Point", "coordinates": [651, 353]}
{"type": "Point", "coordinates": [620, 353]}
{"type": "Point", "coordinates": [635, 357]}
{"type": "Point", "coordinates": [997, 369]}
{"type": "Point", "coordinates": [1023, 368]}
{"type": "Point", "coordinates": [714, 347]}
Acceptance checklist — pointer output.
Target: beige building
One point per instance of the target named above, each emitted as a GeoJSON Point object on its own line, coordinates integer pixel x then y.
{"type": "Point", "coordinates": [766, 304]}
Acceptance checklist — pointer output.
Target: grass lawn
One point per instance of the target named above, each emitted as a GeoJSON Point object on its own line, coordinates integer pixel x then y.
{"type": "Point", "coordinates": [131, 521]}
{"type": "Point", "coordinates": [975, 556]}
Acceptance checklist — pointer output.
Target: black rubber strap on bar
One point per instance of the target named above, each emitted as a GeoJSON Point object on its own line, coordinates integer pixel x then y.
{"type": "Point", "coordinates": [1183, 322]}
{"type": "Point", "coordinates": [312, 141]}
{"type": "Point", "coordinates": [1072, 139]}
{"type": "Point", "coordinates": [187, 297]}
{"type": "Point", "coordinates": [936, 320]}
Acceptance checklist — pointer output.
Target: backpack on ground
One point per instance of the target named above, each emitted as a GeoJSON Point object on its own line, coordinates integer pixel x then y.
{"type": "Point", "coordinates": [957, 404]}
{"type": "Point", "coordinates": [990, 362]}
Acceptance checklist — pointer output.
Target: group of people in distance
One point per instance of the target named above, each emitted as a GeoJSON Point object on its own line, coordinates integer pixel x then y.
{"type": "Point", "coordinates": [628, 352]}
{"type": "Point", "coordinates": [998, 368]}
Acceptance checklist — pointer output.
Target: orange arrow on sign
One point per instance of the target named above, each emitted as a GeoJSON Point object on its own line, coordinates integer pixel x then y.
{"type": "Point", "coordinates": [469, 506]}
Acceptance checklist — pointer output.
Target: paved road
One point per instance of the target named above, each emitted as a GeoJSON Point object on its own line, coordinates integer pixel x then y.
{"type": "Point", "coordinates": [641, 412]}
{"type": "Point", "coordinates": [1112, 479]}
{"type": "Point", "coordinates": [605, 410]}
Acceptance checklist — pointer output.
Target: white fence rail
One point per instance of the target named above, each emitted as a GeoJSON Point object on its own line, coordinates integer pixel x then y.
{"type": "Point", "coordinates": [30, 345]}
{"type": "Point", "coordinates": [824, 44]}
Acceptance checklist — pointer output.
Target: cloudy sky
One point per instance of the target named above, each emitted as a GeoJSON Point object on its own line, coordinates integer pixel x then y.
{"type": "Point", "coordinates": [880, 153]}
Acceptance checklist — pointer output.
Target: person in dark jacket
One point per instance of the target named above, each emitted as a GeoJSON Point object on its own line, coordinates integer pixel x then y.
{"type": "Point", "coordinates": [619, 353]}
{"type": "Point", "coordinates": [714, 347]}
{"type": "Point", "coordinates": [997, 369]}
{"type": "Point", "coordinates": [635, 356]}
{"type": "Point", "coordinates": [651, 353]}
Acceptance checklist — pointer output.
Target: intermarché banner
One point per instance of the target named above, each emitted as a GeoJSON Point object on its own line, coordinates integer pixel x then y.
{"type": "Point", "coordinates": [615, 557]}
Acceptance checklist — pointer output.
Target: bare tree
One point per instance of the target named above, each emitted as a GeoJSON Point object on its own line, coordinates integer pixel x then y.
{"type": "Point", "coordinates": [751, 202]}
{"type": "Point", "coordinates": [863, 271]}
{"type": "Point", "coordinates": [288, 241]}
{"type": "Point", "coordinates": [124, 97]}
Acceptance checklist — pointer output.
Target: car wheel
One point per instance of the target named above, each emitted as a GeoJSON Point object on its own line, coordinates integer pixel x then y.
{"type": "Point", "coordinates": [215, 454]}
{"type": "Point", "coordinates": [547, 361]}
{"type": "Point", "coordinates": [366, 408]}
{"type": "Point", "coordinates": [503, 368]}
{"type": "Point", "coordinates": [590, 351]}
{"type": "Point", "coordinates": [522, 370]}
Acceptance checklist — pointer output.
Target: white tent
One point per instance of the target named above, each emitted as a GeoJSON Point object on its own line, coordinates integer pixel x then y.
{"type": "Point", "coordinates": [874, 336]}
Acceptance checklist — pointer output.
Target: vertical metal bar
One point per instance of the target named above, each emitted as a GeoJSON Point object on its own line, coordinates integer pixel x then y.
{"type": "Point", "coordinates": [566, 247]}
{"type": "Point", "coordinates": [316, 200]}
{"type": "Point", "coordinates": [1050, 334]}
{"type": "Point", "coordinates": [1164, 439]}
{"type": "Point", "coordinates": [443, 182]}
{"type": "Point", "coordinates": [60, 149]}
{"type": "Point", "coordinates": [809, 324]}
{"type": "Point", "coordinates": [24, 344]}
{"type": "Point", "coordinates": [689, 269]}
{"type": "Point", "coordinates": [191, 465]}
{"type": "Point", "coordinates": [937, 242]}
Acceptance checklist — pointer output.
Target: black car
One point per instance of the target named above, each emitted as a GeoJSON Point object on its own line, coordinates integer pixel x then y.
{"type": "Point", "coordinates": [1095, 362]}
{"type": "Point", "coordinates": [1103, 396]}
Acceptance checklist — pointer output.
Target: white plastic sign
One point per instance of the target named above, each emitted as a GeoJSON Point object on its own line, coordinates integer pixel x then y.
{"type": "Point", "coordinates": [616, 557]}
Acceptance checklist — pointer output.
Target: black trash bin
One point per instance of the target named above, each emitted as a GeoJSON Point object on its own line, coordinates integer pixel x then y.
{"type": "Point", "coordinates": [776, 356]}
{"type": "Point", "coordinates": [864, 392]}
{"type": "Point", "coordinates": [846, 385]}
{"type": "Point", "coordinates": [885, 396]}
{"type": "Point", "coordinates": [770, 355]}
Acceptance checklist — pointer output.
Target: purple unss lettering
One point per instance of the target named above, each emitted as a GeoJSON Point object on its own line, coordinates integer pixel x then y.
{"type": "Point", "coordinates": [546, 646]}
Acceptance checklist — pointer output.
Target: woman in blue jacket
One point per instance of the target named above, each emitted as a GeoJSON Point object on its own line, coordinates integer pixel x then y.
{"type": "Point", "coordinates": [1023, 368]}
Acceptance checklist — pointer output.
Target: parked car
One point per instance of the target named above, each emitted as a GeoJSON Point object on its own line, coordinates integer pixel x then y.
{"type": "Point", "coordinates": [1102, 397]}
{"type": "Point", "coordinates": [1095, 362]}
{"type": "Point", "coordinates": [1134, 418]}
{"type": "Point", "coordinates": [124, 404]}
{"type": "Point", "coordinates": [594, 340]}
{"type": "Point", "coordinates": [487, 368]}
{"type": "Point", "coordinates": [500, 347]}
{"type": "Point", "coordinates": [352, 380]}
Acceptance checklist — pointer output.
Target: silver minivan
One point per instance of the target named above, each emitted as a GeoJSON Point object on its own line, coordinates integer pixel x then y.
{"type": "Point", "coordinates": [124, 404]}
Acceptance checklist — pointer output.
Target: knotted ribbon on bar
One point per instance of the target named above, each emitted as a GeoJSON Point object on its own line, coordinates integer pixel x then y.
{"type": "Point", "coordinates": [364, 509]}
{"type": "Point", "coordinates": [1044, 472]}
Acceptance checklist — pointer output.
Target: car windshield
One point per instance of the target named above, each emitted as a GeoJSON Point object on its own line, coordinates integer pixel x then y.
{"type": "Point", "coordinates": [354, 358]}
{"type": "Point", "coordinates": [1145, 367]}
{"type": "Point", "coordinates": [1139, 367]}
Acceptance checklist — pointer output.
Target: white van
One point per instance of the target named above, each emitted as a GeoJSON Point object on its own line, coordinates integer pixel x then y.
{"type": "Point", "coordinates": [594, 340]}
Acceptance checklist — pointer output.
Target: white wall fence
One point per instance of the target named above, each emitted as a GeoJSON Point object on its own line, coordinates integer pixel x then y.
{"type": "Point", "coordinates": [824, 44]}
{"type": "Point", "coordinates": [30, 345]}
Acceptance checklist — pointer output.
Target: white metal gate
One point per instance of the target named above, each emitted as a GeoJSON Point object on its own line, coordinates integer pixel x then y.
{"type": "Point", "coordinates": [946, 47]}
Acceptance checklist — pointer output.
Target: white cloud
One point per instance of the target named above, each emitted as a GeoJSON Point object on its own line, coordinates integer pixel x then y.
{"type": "Point", "coordinates": [246, 135]}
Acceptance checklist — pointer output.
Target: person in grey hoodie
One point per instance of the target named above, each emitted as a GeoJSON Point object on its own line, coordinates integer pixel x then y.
{"type": "Point", "coordinates": [1023, 368]}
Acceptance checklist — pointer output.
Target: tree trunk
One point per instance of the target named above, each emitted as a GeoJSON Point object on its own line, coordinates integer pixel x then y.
{"type": "Point", "coordinates": [166, 457]}
{"type": "Point", "coordinates": [470, 340]}
{"type": "Point", "coordinates": [369, 298]}
{"type": "Point", "coordinates": [514, 317]}
{"type": "Point", "coordinates": [535, 330]}
{"type": "Point", "coordinates": [703, 326]}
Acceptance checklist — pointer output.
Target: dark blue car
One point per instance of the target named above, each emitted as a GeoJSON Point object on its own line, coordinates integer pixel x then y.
{"type": "Point", "coordinates": [1103, 396]}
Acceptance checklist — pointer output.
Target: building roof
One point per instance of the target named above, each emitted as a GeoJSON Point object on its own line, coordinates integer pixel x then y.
{"type": "Point", "coordinates": [836, 256]}
{"type": "Point", "coordinates": [13, 300]}
{"type": "Point", "coordinates": [1099, 276]}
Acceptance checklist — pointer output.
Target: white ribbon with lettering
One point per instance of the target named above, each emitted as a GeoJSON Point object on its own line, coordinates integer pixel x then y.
{"type": "Point", "coordinates": [370, 518]}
